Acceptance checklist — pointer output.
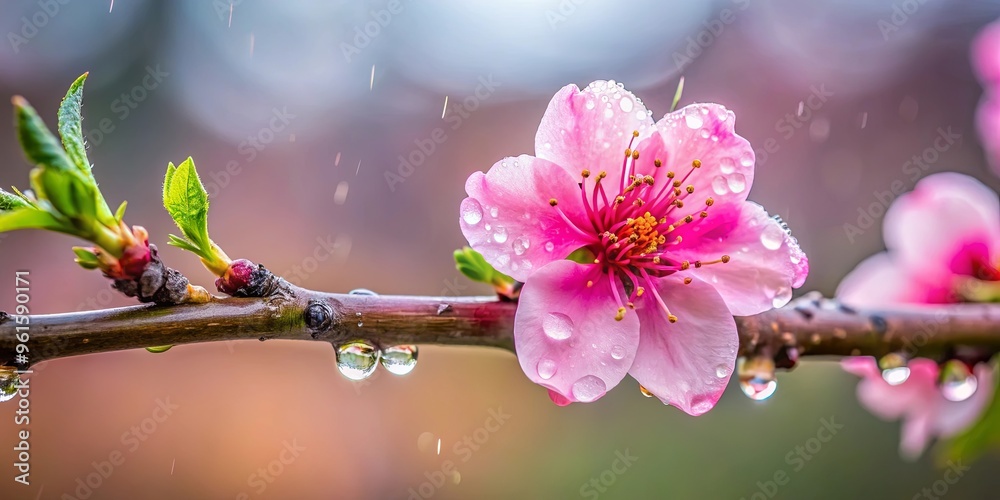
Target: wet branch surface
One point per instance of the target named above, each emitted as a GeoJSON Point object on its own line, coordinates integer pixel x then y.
{"type": "Point", "coordinates": [809, 326]}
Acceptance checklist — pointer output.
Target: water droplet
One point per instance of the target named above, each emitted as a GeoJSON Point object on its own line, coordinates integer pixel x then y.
{"type": "Point", "coordinates": [472, 211]}
{"type": "Point", "coordinates": [589, 104]}
{"type": "Point", "coordinates": [608, 113]}
{"type": "Point", "coordinates": [746, 160]}
{"type": "Point", "coordinates": [640, 114]}
{"type": "Point", "coordinates": [158, 349]}
{"type": "Point", "coordinates": [957, 381]}
{"type": "Point", "coordinates": [782, 296]}
{"type": "Point", "coordinates": [400, 359]}
{"type": "Point", "coordinates": [589, 388]}
{"type": "Point", "coordinates": [357, 360]}
{"type": "Point", "coordinates": [617, 352]}
{"type": "Point", "coordinates": [626, 104]}
{"type": "Point", "coordinates": [772, 237]}
{"type": "Point", "coordinates": [360, 324]}
{"type": "Point", "coordinates": [645, 392]}
{"type": "Point", "coordinates": [500, 235]}
{"type": "Point", "coordinates": [756, 377]}
{"type": "Point", "coordinates": [9, 381]}
{"type": "Point", "coordinates": [694, 120]}
{"type": "Point", "coordinates": [362, 291]}
{"type": "Point", "coordinates": [503, 259]}
{"type": "Point", "coordinates": [549, 247]}
{"type": "Point", "coordinates": [737, 183]}
{"type": "Point", "coordinates": [521, 245]}
{"type": "Point", "coordinates": [727, 165]}
{"type": "Point", "coordinates": [546, 368]}
{"type": "Point", "coordinates": [547, 145]}
{"type": "Point", "coordinates": [488, 227]}
{"type": "Point", "coordinates": [722, 371]}
{"type": "Point", "coordinates": [494, 212]}
{"type": "Point", "coordinates": [720, 185]}
{"type": "Point", "coordinates": [557, 326]}
{"type": "Point", "coordinates": [896, 376]}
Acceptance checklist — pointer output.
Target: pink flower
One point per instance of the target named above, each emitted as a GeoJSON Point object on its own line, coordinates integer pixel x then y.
{"type": "Point", "coordinates": [986, 60]}
{"type": "Point", "coordinates": [673, 249]}
{"type": "Point", "coordinates": [925, 411]}
{"type": "Point", "coordinates": [943, 241]}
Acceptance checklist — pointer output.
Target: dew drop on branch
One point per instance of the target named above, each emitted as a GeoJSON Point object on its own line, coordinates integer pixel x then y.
{"type": "Point", "coordinates": [400, 359]}
{"type": "Point", "coordinates": [357, 360]}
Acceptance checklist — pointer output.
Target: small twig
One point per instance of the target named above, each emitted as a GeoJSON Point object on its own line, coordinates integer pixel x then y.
{"type": "Point", "coordinates": [812, 325]}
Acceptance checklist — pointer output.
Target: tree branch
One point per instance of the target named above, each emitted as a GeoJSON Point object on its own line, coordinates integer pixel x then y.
{"type": "Point", "coordinates": [811, 325]}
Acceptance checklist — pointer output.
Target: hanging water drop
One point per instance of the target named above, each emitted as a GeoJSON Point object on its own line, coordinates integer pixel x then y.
{"type": "Point", "coordinates": [357, 360]}
{"type": "Point", "coordinates": [9, 382]}
{"type": "Point", "coordinates": [645, 392]}
{"type": "Point", "coordinates": [957, 381]}
{"type": "Point", "coordinates": [589, 388]}
{"type": "Point", "coordinates": [364, 292]}
{"type": "Point", "coordinates": [400, 359]}
{"type": "Point", "coordinates": [756, 377]}
{"type": "Point", "coordinates": [894, 369]}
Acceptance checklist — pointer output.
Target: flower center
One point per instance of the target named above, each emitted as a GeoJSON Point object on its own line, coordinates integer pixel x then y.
{"type": "Point", "coordinates": [634, 230]}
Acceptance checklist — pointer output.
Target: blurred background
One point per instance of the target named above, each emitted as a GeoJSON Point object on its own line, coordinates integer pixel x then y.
{"type": "Point", "coordinates": [298, 115]}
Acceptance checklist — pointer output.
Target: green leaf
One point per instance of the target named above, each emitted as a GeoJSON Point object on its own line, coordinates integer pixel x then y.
{"type": "Point", "coordinates": [120, 213]}
{"type": "Point", "coordinates": [86, 258]}
{"type": "Point", "coordinates": [31, 218]}
{"type": "Point", "coordinates": [983, 436]}
{"type": "Point", "coordinates": [69, 193]}
{"type": "Point", "coordinates": [186, 200]}
{"type": "Point", "coordinates": [177, 241]}
{"type": "Point", "coordinates": [472, 264]}
{"type": "Point", "coordinates": [38, 143]}
{"type": "Point", "coordinates": [70, 129]}
{"type": "Point", "coordinates": [9, 201]}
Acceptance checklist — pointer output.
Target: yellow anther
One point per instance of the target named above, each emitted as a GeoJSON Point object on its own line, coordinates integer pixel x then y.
{"type": "Point", "coordinates": [657, 163]}
{"type": "Point", "coordinates": [585, 173]}
{"type": "Point", "coordinates": [639, 291]}
{"type": "Point", "coordinates": [628, 152]}
{"type": "Point", "coordinates": [621, 314]}
{"type": "Point", "coordinates": [697, 264]}
{"type": "Point", "coordinates": [553, 202]}
{"type": "Point", "coordinates": [696, 164]}
{"type": "Point", "coordinates": [670, 175]}
{"type": "Point", "coordinates": [685, 265]}
{"type": "Point", "coordinates": [671, 318]}
{"type": "Point", "coordinates": [635, 154]}
{"type": "Point", "coordinates": [709, 201]}
{"type": "Point", "coordinates": [635, 133]}
{"type": "Point", "coordinates": [687, 281]}
{"type": "Point", "coordinates": [689, 189]}
{"type": "Point", "coordinates": [725, 259]}
{"type": "Point", "coordinates": [688, 218]}
{"type": "Point", "coordinates": [678, 203]}
{"type": "Point", "coordinates": [703, 214]}
{"type": "Point", "coordinates": [590, 284]}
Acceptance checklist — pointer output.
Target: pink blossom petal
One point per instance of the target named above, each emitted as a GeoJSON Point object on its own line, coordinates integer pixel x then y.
{"type": "Point", "coordinates": [704, 132]}
{"type": "Point", "coordinates": [765, 262]}
{"type": "Point", "coordinates": [916, 434]}
{"type": "Point", "coordinates": [507, 216]}
{"type": "Point", "coordinates": [924, 228]}
{"type": "Point", "coordinates": [890, 402]}
{"type": "Point", "coordinates": [988, 122]}
{"type": "Point", "coordinates": [986, 54]}
{"type": "Point", "coordinates": [688, 363]}
{"type": "Point", "coordinates": [566, 335]}
{"type": "Point", "coordinates": [955, 416]}
{"type": "Point", "coordinates": [590, 128]}
{"type": "Point", "coordinates": [878, 281]}
{"type": "Point", "coordinates": [862, 366]}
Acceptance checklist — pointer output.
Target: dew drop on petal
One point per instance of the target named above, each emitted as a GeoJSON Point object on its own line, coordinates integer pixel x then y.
{"type": "Point", "coordinates": [727, 165]}
{"type": "Point", "coordinates": [589, 104]}
{"type": "Point", "coordinates": [720, 185]}
{"type": "Point", "coordinates": [521, 245]}
{"type": "Point", "coordinates": [746, 160]}
{"type": "Point", "coordinates": [737, 183]}
{"type": "Point", "coordinates": [705, 134]}
{"type": "Point", "coordinates": [694, 120]}
{"type": "Point", "coordinates": [546, 368]}
{"type": "Point", "coordinates": [589, 388]}
{"type": "Point", "coordinates": [626, 104]}
{"type": "Point", "coordinates": [503, 259]}
{"type": "Point", "coordinates": [400, 359]}
{"type": "Point", "coordinates": [357, 360]}
{"type": "Point", "coordinates": [722, 371]}
{"type": "Point", "coordinates": [488, 227]}
{"type": "Point", "coordinates": [557, 326]}
{"type": "Point", "coordinates": [781, 297]}
{"type": "Point", "coordinates": [500, 235]}
{"type": "Point", "coordinates": [772, 237]}
{"type": "Point", "coordinates": [549, 247]}
{"type": "Point", "coordinates": [608, 113]}
{"type": "Point", "coordinates": [617, 352]}
{"type": "Point", "coordinates": [494, 212]}
{"type": "Point", "coordinates": [472, 211]}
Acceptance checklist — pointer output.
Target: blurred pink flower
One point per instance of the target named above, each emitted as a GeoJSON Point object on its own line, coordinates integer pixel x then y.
{"type": "Point", "coordinates": [943, 242]}
{"type": "Point", "coordinates": [925, 411]}
{"type": "Point", "coordinates": [986, 60]}
{"type": "Point", "coordinates": [672, 248]}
